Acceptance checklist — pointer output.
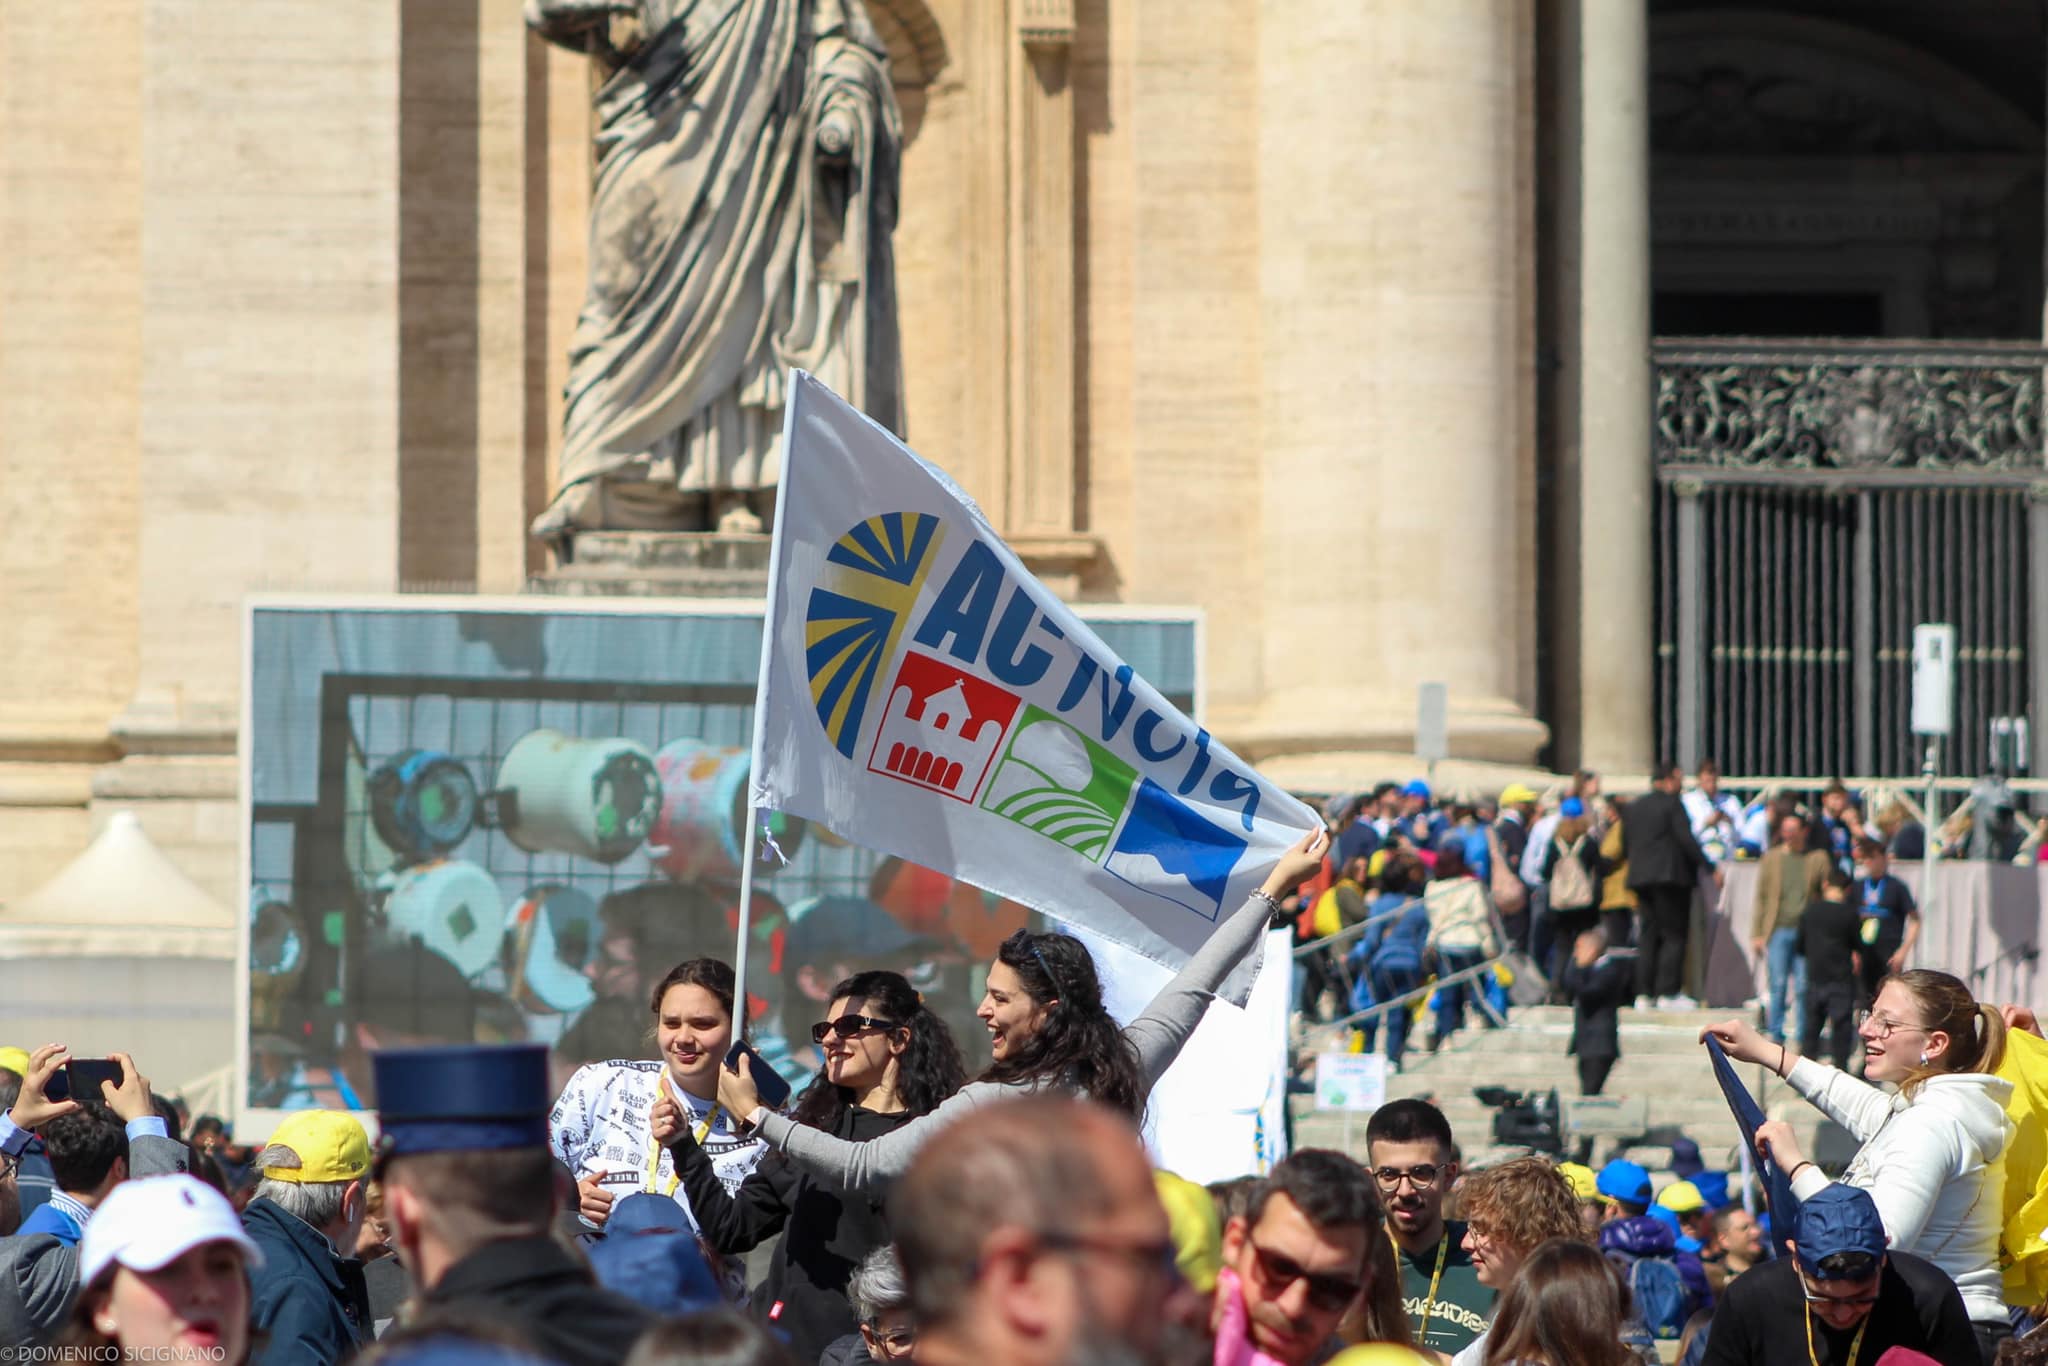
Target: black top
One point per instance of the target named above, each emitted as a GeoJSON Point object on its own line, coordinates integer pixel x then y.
{"type": "Point", "coordinates": [825, 1231]}
{"type": "Point", "coordinates": [1887, 899]}
{"type": "Point", "coordinates": [1758, 1320]}
{"type": "Point", "coordinates": [539, 1291]}
{"type": "Point", "coordinates": [1657, 841]}
{"type": "Point", "coordinates": [1598, 992]}
{"type": "Point", "coordinates": [1829, 935]}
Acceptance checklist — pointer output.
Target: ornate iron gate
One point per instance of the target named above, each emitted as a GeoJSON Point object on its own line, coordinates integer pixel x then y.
{"type": "Point", "coordinates": [1814, 503]}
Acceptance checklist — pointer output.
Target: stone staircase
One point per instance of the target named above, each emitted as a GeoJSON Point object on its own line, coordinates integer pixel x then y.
{"type": "Point", "coordinates": [1663, 1065]}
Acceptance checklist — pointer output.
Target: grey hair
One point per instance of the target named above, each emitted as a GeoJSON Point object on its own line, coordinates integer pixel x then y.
{"type": "Point", "coordinates": [319, 1203]}
{"type": "Point", "coordinates": [877, 1285]}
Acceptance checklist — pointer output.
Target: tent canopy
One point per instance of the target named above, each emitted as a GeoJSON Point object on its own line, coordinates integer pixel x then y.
{"type": "Point", "coordinates": [120, 897]}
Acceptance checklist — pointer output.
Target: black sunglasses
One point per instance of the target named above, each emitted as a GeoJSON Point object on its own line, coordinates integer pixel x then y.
{"type": "Point", "coordinates": [1326, 1292]}
{"type": "Point", "coordinates": [846, 1026]}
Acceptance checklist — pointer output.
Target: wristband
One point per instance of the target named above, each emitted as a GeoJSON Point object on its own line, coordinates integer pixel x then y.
{"type": "Point", "coordinates": [1272, 902]}
{"type": "Point", "coordinates": [1796, 1169]}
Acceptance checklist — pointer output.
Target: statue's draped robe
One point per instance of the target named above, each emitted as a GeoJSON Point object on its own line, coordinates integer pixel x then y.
{"type": "Point", "coordinates": [724, 248]}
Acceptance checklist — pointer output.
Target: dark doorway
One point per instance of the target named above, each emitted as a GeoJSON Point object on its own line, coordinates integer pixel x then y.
{"type": "Point", "coordinates": [1684, 314]}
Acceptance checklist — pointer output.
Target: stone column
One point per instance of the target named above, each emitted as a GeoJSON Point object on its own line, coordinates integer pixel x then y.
{"type": "Point", "coordinates": [1395, 450]}
{"type": "Point", "coordinates": [1041, 475]}
{"type": "Point", "coordinates": [1604, 393]}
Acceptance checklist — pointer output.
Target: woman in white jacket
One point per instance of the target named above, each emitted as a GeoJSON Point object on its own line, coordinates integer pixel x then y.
{"type": "Point", "coordinates": [1933, 1152]}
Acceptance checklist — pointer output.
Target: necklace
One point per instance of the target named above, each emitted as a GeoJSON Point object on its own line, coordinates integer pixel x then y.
{"type": "Point", "coordinates": [1855, 1343]}
{"type": "Point", "coordinates": [1443, 1247]}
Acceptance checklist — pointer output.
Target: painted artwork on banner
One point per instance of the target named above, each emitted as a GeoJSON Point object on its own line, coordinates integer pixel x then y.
{"type": "Point", "coordinates": [489, 819]}
{"type": "Point", "coordinates": [924, 693]}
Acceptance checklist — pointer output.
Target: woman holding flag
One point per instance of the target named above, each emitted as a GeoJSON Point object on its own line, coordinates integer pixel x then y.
{"type": "Point", "coordinates": [1048, 1029]}
{"type": "Point", "coordinates": [1933, 1152]}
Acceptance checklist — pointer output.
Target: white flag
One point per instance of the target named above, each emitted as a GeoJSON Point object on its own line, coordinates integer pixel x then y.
{"type": "Point", "coordinates": [924, 695]}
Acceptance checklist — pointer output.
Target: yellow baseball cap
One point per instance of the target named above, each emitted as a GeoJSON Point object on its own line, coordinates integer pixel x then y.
{"type": "Point", "coordinates": [1584, 1184]}
{"type": "Point", "coordinates": [1197, 1233]}
{"type": "Point", "coordinates": [1681, 1197]}
{"type": "Point", "coordinates": [1377, 1354]}
{"type": "Point", "coordinates": [1514, 794]}
{"type": "Point", "coordinates": [15, 1060]}
{"type": "Point", "coordinates": [331, 1146]}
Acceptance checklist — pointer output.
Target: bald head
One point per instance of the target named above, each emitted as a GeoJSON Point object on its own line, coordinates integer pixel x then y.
{"type": "Point", "coordinates": [1031, 1233]}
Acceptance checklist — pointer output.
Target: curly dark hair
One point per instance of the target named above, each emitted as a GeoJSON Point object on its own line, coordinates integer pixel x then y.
{"type": "Point", "coordinates": [1080, 1044]}
{"type": "Point", "coordinates": [927, 1071]}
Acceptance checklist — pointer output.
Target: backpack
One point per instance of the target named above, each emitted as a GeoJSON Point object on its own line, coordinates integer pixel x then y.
{"type": "Point", "coordinates": [1660, 1295]}
{"type": "Point", "coordinates": [1571, 886]}
{"type": "Point", "coordinates": [1509, 895]}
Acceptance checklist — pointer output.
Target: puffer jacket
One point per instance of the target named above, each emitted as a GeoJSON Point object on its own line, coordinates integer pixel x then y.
{"type": "Point", "coordinates": [1934, 1165]}
{"type": "Point", "coordinates": [1645, 1237]}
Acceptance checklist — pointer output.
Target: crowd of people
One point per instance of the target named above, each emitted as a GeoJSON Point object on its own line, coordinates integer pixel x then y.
{"type": "Point", "coordinates": [1424, 909]}
{"type": "Point", "coordinates": [656, 1211]}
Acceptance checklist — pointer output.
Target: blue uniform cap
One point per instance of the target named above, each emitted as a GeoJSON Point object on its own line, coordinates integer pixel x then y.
{"type": "Point", "coordinates": [1836, 1219]}
{"type": "Point", "coordinates": [1713, 1189]}
{"type": "Point", "coordinates": [1625, 1181]}
{"type": "Point", "coordinates": [461, 1098]}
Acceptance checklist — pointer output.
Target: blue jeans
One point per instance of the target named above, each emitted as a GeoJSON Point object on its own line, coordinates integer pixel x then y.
{"type": "Point", "coordinates": [1450, 999]}
{"type": "Point", "coordinates": [1785, 972]}
{"type": "Point", "coordinates": [1388, 983]}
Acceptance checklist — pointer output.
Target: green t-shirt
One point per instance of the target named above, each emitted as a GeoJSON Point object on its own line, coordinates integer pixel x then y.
{"type": "Point", "coordinates": [1462, 1306]}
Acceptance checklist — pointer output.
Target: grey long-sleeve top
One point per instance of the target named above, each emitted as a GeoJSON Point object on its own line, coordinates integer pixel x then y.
{"type": "Point", "coordinates": [1158, 1034]}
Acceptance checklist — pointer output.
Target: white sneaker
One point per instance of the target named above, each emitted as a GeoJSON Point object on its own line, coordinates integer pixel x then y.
{"type": "Point", "coordinates": [1645, 1003]}
{"type": "Point", "coordinates": [1679, 1002]}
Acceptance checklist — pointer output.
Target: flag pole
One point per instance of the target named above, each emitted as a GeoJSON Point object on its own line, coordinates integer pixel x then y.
{"type": "Point", "coordinates": [797, 379]}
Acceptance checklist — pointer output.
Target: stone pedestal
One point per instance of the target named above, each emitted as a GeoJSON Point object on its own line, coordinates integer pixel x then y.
{"type": "Point", "coordinates": [659, 564]}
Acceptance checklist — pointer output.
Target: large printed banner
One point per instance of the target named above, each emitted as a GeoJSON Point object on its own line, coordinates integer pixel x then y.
{"type": "Point", "coordinates": [923, 694]}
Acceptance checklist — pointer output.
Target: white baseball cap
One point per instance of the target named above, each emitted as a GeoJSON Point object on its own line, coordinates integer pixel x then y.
{"type": "Point", "coordinates": [150, 1222]}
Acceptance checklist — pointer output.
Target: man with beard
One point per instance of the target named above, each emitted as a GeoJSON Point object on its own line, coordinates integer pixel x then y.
{"type": "Point", "coordinates": [1031, 1234]}
{"type": "Point", "coordinates": [1409, 1144]}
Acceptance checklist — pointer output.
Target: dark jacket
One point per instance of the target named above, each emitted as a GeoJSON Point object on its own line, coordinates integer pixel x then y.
{"type": "Point", "coordinates": [825, 1231]}
{"type": "Point", "coordinates": [851, 1350]}
{"type": "Point", "coordinates": [535, 1288]}
{"type": "Point", "coordinates": [1657, 841]}
{"type": "Point", "coordinates": [39, 1273]}
{"type": "Point", "coordinates": [1598, 992]}
{"type": "Point", "coordinates": [312, 1306]}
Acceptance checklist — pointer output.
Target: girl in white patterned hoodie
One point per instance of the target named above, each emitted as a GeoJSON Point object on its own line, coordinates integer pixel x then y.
{"type": "Point", "coordinates": [1933, 1152]}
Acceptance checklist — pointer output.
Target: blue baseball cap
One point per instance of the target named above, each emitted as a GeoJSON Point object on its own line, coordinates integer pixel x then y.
{"type": "Point", "coordinates": [1836, 1219]}
{"type": "Point", "coordinates": [1685, 1158]}
{"type": "Point", "coordinates": [1625, 1181]}
{"type": "Point", "coordinates": [461, 1098]}
{"type": "Point", "coordinates": [1415, 787]}
{"type": "Point", "coordinates": [1713, 1189]}
{"type": "Point", "coordinates": [1571, 808]}
{"type": "Point", "coordinates": [649, 1254]}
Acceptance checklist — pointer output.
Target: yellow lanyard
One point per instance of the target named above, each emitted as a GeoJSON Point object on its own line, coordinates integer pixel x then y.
{"type": "Point", "coordinates": [1855, 1343]}
{"type": "Point", "coordinates": [1443, 1247]}
{"type": "Point", "coordinates": [675, 1176]}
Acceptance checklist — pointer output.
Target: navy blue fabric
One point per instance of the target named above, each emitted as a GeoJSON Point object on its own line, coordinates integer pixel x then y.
{"type": "Point", "coordinates": [1779, 1200]}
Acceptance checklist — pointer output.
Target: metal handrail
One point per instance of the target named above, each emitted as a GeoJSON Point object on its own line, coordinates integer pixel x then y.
{"type": "Point", "coordinates": [1379, 1008]}
{"type": "Point", "coordinates": [1351, 932]}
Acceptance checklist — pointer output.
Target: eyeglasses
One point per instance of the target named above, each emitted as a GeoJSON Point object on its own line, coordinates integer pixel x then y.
{"type": "Point", "coordinates": [1422, 1177]}
{"type": "Point", "coordinates": [896, 1339]}
{"type": "Point", "coordinates": [1885, 1025]}
{"type": "Point", "coordinates": [1159, 1255]}
{"type": "Point", "coordinates": [1325, 1292]}
{"type": "Point", "coordinates": [1838, 1301]}
{"type": "Point", "coordinates": [846, 1026]}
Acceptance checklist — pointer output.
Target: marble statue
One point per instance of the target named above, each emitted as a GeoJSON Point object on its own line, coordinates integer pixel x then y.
{"type": "Point", "coordinates": [741, 212]}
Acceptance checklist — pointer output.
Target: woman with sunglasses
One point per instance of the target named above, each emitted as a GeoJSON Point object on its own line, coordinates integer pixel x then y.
{"type": "Point", "coordinates": [1933, 1152]}
{"type": "Point", "coordinates": [888, 1060]}
{"type": "Point", "coordinates": [1048, 1029]}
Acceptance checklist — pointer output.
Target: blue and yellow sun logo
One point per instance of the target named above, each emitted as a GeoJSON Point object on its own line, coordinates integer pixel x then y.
{"type": "Point", "coordinates": [851, 628]}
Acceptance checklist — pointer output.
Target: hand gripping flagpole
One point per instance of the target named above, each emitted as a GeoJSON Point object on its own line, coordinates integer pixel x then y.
{"type": "Point", "coordinates": [768, 624]}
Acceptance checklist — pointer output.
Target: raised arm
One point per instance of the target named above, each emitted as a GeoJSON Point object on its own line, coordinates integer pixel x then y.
{"type": "Point", "coordinates": [875, 1162]}
{"type": "Point", "coordinates": [1163, 1027]}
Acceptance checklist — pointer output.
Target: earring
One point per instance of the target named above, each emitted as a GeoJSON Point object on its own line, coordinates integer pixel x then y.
{"type": "Point", "coordinates": [1923, 1057]}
